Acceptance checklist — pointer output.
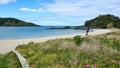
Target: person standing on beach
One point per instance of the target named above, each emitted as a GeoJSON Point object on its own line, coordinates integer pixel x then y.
{"type": "Point", "coordinates": [87, 31]}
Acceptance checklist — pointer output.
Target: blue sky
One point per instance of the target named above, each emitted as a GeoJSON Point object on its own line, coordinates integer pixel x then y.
{"type": "Point", "coordinates": [58, 12]}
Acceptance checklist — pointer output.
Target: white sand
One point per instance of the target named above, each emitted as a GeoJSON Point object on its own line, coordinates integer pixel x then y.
{"type": "Point", "coordinates": [9, 45]}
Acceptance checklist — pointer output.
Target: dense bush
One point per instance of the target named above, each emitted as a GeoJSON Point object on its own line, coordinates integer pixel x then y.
{"type": "Point", "coordinates": [78, 40]}
{"type": "Point", "coordinates": [102, 21]}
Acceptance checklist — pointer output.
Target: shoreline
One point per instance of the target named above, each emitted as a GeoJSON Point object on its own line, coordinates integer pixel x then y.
{"type": "Point", "coordinates": [9, 45]}
{"type": "Point", "coordinates": [42, 36]}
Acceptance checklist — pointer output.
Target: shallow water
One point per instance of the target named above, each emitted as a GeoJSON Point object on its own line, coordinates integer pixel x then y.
{"type": "Point", "coordinates": [34, 32]}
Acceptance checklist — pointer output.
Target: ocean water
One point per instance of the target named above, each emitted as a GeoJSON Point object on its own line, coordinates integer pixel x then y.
{"type": "Point", "coordinates": [34, 32]}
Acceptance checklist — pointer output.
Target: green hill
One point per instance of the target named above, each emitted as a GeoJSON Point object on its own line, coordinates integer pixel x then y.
{"type": "Point", "coordinates": [103, 21]}
{"type": "Point", "coordinates": [14, 22]}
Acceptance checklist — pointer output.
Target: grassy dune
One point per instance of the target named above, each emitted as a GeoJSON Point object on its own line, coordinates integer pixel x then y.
{"type": "Point", "coordinates": [9, 61]}
{"type": "Point", "coordinates": [102, 51]}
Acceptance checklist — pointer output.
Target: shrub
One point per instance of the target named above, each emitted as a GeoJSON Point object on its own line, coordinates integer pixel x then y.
{"type": "Point", "coordinates": [30, 43]}
{"type": "Point", "coordinates": [110, 25]}
{"type": "Point", "coordinates": [78, 40]}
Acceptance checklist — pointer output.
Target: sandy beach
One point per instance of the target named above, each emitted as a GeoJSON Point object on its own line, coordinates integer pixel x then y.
{"type": "Point", "coordinates": [9, 45]}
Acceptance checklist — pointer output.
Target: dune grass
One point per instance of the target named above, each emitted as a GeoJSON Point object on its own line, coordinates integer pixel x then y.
{"type": "Point", "coordinates": [9, 61]}
{"type": "Point", "coordinates": [102, 51]}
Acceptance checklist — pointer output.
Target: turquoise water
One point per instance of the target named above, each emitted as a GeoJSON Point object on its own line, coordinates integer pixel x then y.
{"type": "Point", "coordinates": [33, 32]}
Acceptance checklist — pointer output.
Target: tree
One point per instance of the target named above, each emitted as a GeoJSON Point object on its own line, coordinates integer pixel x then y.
{"type": "Point", "coordinates": [102, 21]}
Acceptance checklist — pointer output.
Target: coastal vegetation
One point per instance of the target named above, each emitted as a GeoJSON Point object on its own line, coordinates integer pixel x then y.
{"type": "Point", "coordinates": [102, 51]}
{"type": "Point", "coordinates": [14, 22]}
{"type": "Point", "coordinates": [9, 60]}
{"type": "Point", "coordinates": [102, 21]}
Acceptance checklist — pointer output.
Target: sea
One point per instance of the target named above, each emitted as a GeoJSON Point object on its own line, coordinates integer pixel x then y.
{"type": "Point", "coordinates": [34, 32]}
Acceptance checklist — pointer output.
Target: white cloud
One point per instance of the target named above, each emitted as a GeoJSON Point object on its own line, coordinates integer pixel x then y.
{"type": "Point", "coordinates": [32, 10]}
{"type": "Point", "coordinates": [78, 7]}
{"type": "Point", "coordinates": [75, 11]}
{"type": "Point", "coordinates": [6, 1]}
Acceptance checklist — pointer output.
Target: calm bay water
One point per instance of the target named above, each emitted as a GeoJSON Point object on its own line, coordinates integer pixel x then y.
{"type": "Point", "coordinates": [34, 32]}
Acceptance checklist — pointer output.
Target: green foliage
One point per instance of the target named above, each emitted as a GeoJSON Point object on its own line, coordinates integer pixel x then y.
{"type": "Point", "coordinates": [62, 53]}
{"type": "Point", "coordinates": [14, 22]}
{"type": "Point", "coordinates": [110, 25]}
{"type": "Point", "coordinates": [78, 40]}
{"type": "Point", "coordinates": [9, 61]}
{"type": "Point", "coordinates": [102, 21]}
{"type": "Point", "coordinates": [115, 44]}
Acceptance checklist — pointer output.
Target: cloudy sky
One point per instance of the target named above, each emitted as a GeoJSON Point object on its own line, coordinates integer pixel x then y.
{"type": "Point", "coordinates": [58, 12]}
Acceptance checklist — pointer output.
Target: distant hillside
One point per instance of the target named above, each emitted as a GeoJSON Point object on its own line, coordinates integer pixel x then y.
{"type": "Point", "coordinates": [14, 22]}
{"type": "Point", "coordinates": [104, 21]}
